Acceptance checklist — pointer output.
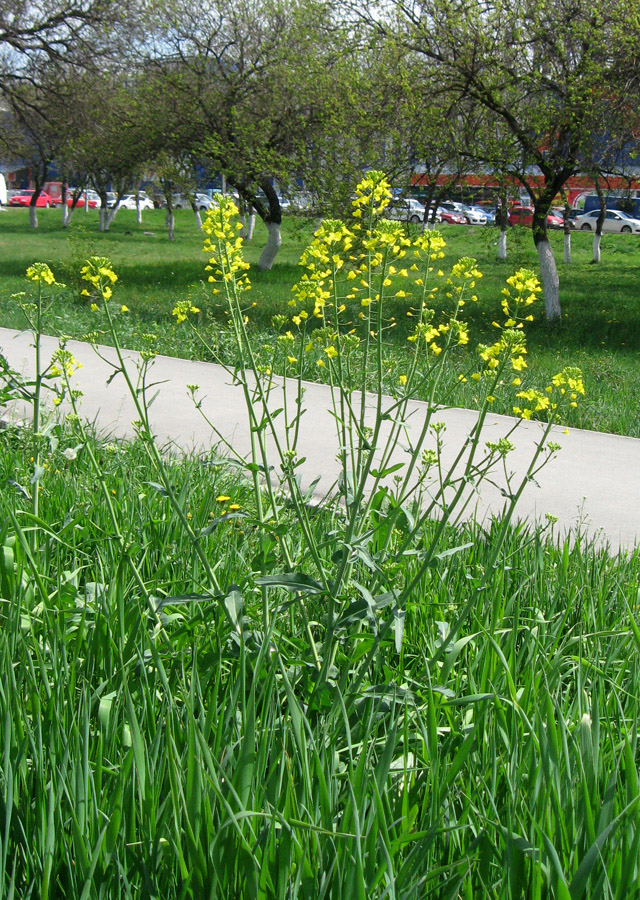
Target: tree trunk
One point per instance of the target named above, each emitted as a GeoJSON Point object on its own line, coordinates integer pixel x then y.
{"type": "Point", "coordinates": [597, 255]}
{"type": "Point", "coordinates": [104, 216]}
{"type": "Point", "coordinates": [111, 214]}
{"type": "Point", "coordinates": [196, 213]}
{"type": "Point", "coordinates": [33, 216]}
{"type": "Point", "coordinates": [502, 243]}
{"type": "Point", "coordinates": [550, 280]}
{"type": "Point", "coordinates": [274, 241]}
{"type": "Point", "coordinates": [548, 268]}
{"type": "Point", "coordinates": [66, 212]}
{"type": "Point", "coordinates": [249, 224]}
{"type": "Point", "coordinates": [503, 221]}
{"type": "Point", "coordinates": [138, 211]}
{"type": "Point", "coordinates": [171, 223]}
{"type": "Point", "coordinates": [567, 232]}
{"type": "Point", "coordinates": [597, 238]}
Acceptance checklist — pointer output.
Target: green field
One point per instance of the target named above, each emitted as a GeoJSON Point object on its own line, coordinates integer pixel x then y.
{"type": "Point", "coordinates": [600, 330]}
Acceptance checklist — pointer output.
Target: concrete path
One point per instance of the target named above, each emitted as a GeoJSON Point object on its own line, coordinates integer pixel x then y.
{"type": "Point", "coordinates": [593, 482]}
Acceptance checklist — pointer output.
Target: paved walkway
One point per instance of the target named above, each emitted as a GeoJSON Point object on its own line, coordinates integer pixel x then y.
{"type": "Point", "coordinates": [593, 482]}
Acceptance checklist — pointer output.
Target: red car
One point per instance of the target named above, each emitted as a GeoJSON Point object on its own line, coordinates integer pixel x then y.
{"type": "Point", "coordinates": [24, 199]}
{"type": "Point", "coordinates": [94, 201]}
{"type": "Point", "coordinates": [523, 215]}
{"type": "Point", "coordinates": [451, 218]}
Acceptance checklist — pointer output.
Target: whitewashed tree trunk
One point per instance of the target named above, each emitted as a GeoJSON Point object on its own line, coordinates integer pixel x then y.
{"type": "Point", "coordinates": [274, 242]}
{"type": "Point", "coordinates": [33, 217]}
{"type": "Point", "coordinates": [106, 217]}
{"type": "Point", "coordinates": [171, 224]}
{"type": "Point", "coordinates": [567, 247]}
{"type": "Point", "coordinates": [597, 255]}
{"type": "Point", "coordinates": [198, 218]}
{"type": "Point", "coordinates": [66, 215]}
{"type": "Point", "coordinates": [550, 280]}
{"type": "Point", "coordinates": [138, 213]}
{"type": "Point", "coordinates": [249, 224]}
{"type": "Point", "coordinates": [502, 245]}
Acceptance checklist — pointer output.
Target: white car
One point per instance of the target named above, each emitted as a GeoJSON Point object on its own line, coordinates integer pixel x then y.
{"type": "Point", "coordinates": [408, 210]}
{"type": "Point", "coordinates": [473, 214]}
{"type": "Point", "coordinates": [203, 202]}
{"type": "Point", "coordinates": [481, 215]}
{"type": "Point", "coordinates": [615, 221]}
{"type": "Point", "coordinates": [129, 201]}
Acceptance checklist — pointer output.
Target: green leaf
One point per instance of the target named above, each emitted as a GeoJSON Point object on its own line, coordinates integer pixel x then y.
{"type": "Point", "coordinates": [158, 488]}
{"type": "Point", "coordinates": [225, 518]}
{"type": "Point", "coordinates": [593, 854]}
{"type": "Point", "coordinates": [291, 581]}
{"type": "Point", "coordinates": [234, 604]}
{"type": "Point", "coordinates": [382, 473]}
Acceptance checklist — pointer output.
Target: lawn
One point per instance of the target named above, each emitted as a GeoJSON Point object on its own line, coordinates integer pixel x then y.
{"type": "Point", "coordinates": [600, 330]}
{"type": "Point", "coordinates": [212, 687]}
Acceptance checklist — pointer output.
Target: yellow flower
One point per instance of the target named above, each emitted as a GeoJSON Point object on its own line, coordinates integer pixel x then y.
{"type": "Point", "coordinates": [331, 352]}
{"type": "Point", "coordinates": [124, 308]}
{"type": "Point", "coordinates": [40, 272]}
{"type": "Point", "coordinates": [222, 498]}
{"type": "Point", "coordinates": [181, 310]}
{"type": "Point", "coordinates": [402, 380]}
{"type": "Point", "coordinates": [94, 307]}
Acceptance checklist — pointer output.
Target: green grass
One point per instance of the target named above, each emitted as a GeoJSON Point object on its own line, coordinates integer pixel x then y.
{"type": "Point", "coordinates": [600, 330]}
{"type": "Point", "coordinates": [210, 688]}
{"type": "Point", "coordinates": [495, 756]}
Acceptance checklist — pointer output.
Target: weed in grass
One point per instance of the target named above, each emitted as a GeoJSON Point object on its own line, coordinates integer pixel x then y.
{"type": "Point", "coordinates": [168, 729]}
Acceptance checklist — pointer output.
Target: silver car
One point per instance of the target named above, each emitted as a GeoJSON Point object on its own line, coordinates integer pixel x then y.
{"type": "Point", "coordinates": [474, 215]}
{"type": "Point", "coordinates": [615, 221]}
{"type": "Point", "coordinates": [409, 210]}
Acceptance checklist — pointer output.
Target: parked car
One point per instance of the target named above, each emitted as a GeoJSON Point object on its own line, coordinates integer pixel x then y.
{"type": "Point", "coordinates": [448, 217]}
{"type": "Point", "coordinates": [408, 210]}
{"type": "Point", "coordinates": [23, 198]}
{"type": "Point", "coordinates": [93, 198]}
{"type": "Point", "coordinates": [559, 212]}
{"type": "Point", "coordinates": [129, 201]}
{"type": "Point", "coordinates": [474, 215]}
{"type": "Point", "coordinates": [430, 217]}
{"type": "Point", "coordinates": [523, 215]}
{"type": "Point", "coordinates": [452, 206]}
{"type": "Point", "coordinates": [180, 201]}
{"type": "Point", "coordinates": [615, 221]}
{"type": "Point", "coordinates": [111, 199]}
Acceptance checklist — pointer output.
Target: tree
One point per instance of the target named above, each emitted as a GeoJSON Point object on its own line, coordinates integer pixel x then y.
{"type": "Point", "coordinates": [256, 76]}
{"type": "Point", "coordinates": [545, 68]}
{"type": "Point", "coordinates": [63, 32]}
{"type": "Point", "coordinates": [28, 134]}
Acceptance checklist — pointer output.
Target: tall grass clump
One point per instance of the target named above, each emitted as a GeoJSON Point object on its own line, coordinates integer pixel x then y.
{"type": "Point", "coordinates": [215, 685]}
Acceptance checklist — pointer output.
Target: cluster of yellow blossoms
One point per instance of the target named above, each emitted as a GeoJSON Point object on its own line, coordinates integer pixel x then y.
{"type": "Point", "coordinates": [40, 272]}
{"type": "Point", "coordinates": [182, 309]}
{"type": "Point", "coordinates": [224, 244]}
{"type": "Point", "coordinates": [98, 271]}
